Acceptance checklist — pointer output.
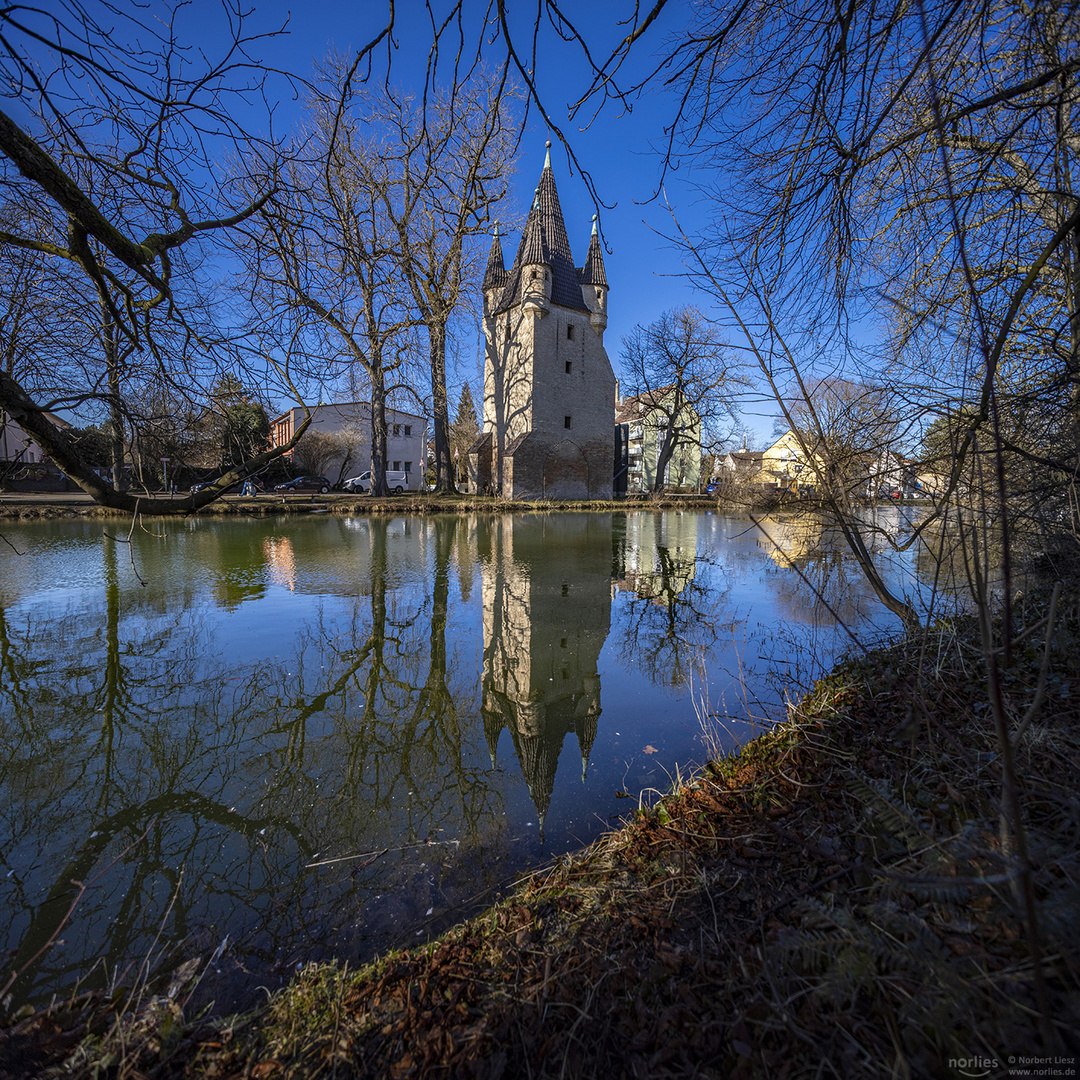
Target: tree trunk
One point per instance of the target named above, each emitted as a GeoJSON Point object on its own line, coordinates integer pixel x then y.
{"type": "Point", "coordinates": [116, 414]}
{"type": "Point", "coordinates": [378, 428]}
{"type": "Point", "coordinates": [663, 457]}
{"type": "Point", "coordinates": [444, 465]}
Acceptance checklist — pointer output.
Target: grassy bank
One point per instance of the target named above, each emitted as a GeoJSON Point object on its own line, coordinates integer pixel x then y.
{"type": "Point", "coordinates": [32, 507]}
{"type": "Point", "coordinates": [837, 899]}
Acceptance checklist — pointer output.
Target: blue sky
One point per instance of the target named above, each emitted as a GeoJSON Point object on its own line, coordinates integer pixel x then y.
{"type": "Point", "coordinates": [617, 148]}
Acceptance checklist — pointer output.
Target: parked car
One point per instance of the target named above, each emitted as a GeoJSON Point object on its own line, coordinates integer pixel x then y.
{"type": "Point", "coordinates": [305, 483]}
{"type": "Point", "coordinates": [397, 482]}
{"type": "Point", "coordinates": [233, 490]}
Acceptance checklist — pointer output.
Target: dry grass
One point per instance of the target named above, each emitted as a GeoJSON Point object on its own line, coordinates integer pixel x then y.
{"type": "Point", "coordinates": [14, 507]}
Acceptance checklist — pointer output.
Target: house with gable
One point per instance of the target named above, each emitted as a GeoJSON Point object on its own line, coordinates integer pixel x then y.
{"type": "Point", "coordinates": [786, 465]}
{"type": "Point", "coordinates": [642, 422]}
{"type": "Point", "coordinates": [783, 467]}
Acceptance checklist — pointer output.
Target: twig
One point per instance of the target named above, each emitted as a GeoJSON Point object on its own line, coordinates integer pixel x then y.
{"type": "Point", "coordinates": [131, 555]}
{"type": "Point", "coordinates": [379, 852]}
{"type": "Point", "coordinates": [1040, 689]}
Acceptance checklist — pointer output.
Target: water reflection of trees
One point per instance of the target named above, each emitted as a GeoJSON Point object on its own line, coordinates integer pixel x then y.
{"type": "Point", "coordinates": [103, 780]}
{"type": "Point", "coordinates": [819, 583]}
{"type": "Point", "coordinates": [670, 615]}
{"type": "Point", "coordinates": [386, 681]}
{"type": "Point", "coordinates": [815, 582]}
{"type": "Point", "coordinates": [160, 710]}
{"type": "Point", "coordinates": [129, 735]}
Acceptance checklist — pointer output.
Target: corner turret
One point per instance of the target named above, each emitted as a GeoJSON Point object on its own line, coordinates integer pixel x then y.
{"type": "Point", "coordinates": [594, 285]}
{"type": "Point", "coordinates": [536, 270]}
{"type": "Point", "coordinates": [495, 274]}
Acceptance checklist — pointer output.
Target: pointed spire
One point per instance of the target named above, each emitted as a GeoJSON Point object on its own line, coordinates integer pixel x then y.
{"type": "Point", "coordinates": [495, 274]}
{"type": "Point", "coordinates": [593, 271]}
{"type": "Point", "coordinates": [587, 726]}
{"type": "Point", "coordinates": [533, 250]}
{"type": "Point", "coordinates": [493, 725]}
{"type": "Point", "coordinates": [544, 241]}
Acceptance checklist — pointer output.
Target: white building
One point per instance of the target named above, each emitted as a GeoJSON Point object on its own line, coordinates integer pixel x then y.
{"type": "Point", "coordinates": [349, 424]}
{"type": "Point", "coordinates": [16, 445]}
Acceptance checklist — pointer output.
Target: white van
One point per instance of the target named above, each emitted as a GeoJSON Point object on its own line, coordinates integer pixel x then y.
{"type": "Point", "coordinates": [397, 482]}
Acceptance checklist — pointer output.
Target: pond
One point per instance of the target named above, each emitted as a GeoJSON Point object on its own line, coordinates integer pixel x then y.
{"type": "Point", "coordinates": [266, 742]}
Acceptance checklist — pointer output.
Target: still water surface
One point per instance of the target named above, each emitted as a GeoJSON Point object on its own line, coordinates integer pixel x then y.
{"type": "Point", "coordinates": [313, 737]}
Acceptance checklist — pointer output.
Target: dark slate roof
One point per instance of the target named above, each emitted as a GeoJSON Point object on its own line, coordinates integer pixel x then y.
{"type": "Point", "coordinates": [544, 241]}
{"type": "Point", "coordinates": [635, 406]}
{"type": "Point", "coordinates": [592, 273]}
{"type": "Point", "coordinates": [495, 275]}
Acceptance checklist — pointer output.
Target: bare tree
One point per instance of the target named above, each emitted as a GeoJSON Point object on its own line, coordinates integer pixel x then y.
{"type": "Point", "coordinates": [316, 450]}
{"type": "Point", "coordinates": [323, 261]}
{"type": "Point", "coordinates": [113, 180]}
{"type": "Point", "coordinates": [442, 174]}
{"type": "Point", "coordinates": [848, 431]}
{"type": "Point", "coordinates": [685, 380]}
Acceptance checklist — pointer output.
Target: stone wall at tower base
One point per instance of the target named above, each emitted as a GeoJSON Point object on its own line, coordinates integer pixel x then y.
{"type": "Point", "coordinates": [535, 467]}
{"type": "Point", "coordinates": [479, 464]}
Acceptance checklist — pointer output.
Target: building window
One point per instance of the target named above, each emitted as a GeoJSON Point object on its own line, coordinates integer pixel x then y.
{"type": "Point", "coordinates": [569, 331]}
{"type": "Point", "coordinates": [408, 466]}
{"type": "Point", "coordinates": [396, 466]}
{"type": "Point", "coordinates": [408, 430]}
{"type": "Point", "coordinates": [566, 421]}
{"type": "Point", "coordinates": [568, 367]}
{"type": "Point", "coordinates": [397, 429]}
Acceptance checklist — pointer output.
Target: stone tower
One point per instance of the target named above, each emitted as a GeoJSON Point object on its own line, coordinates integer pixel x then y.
{"type": "Point", "coordinates": [549, 391]}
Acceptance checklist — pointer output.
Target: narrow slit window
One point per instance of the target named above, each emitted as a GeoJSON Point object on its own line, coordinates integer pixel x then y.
{"type": "Point", "coordinates": [569, 331]}
{"type": "Point", "coordinates": [566, 421]}
{"type": "Point", "coordinates": [569, 365]}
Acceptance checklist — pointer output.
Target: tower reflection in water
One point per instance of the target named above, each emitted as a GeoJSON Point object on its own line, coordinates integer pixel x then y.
{"type": "Point", "coordinates": [545, 621]}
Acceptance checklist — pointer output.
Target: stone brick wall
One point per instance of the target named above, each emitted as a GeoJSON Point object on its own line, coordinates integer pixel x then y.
{"type": "Point", "coordinates": [550, 376]}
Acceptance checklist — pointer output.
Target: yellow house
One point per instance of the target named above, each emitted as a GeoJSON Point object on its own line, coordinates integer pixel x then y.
{"type": "Point", "coordinates": [786, 467]}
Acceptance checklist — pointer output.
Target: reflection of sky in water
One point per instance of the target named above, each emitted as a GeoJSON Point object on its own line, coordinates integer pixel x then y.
{"type": "Point", "coordinates": [283, 693]}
